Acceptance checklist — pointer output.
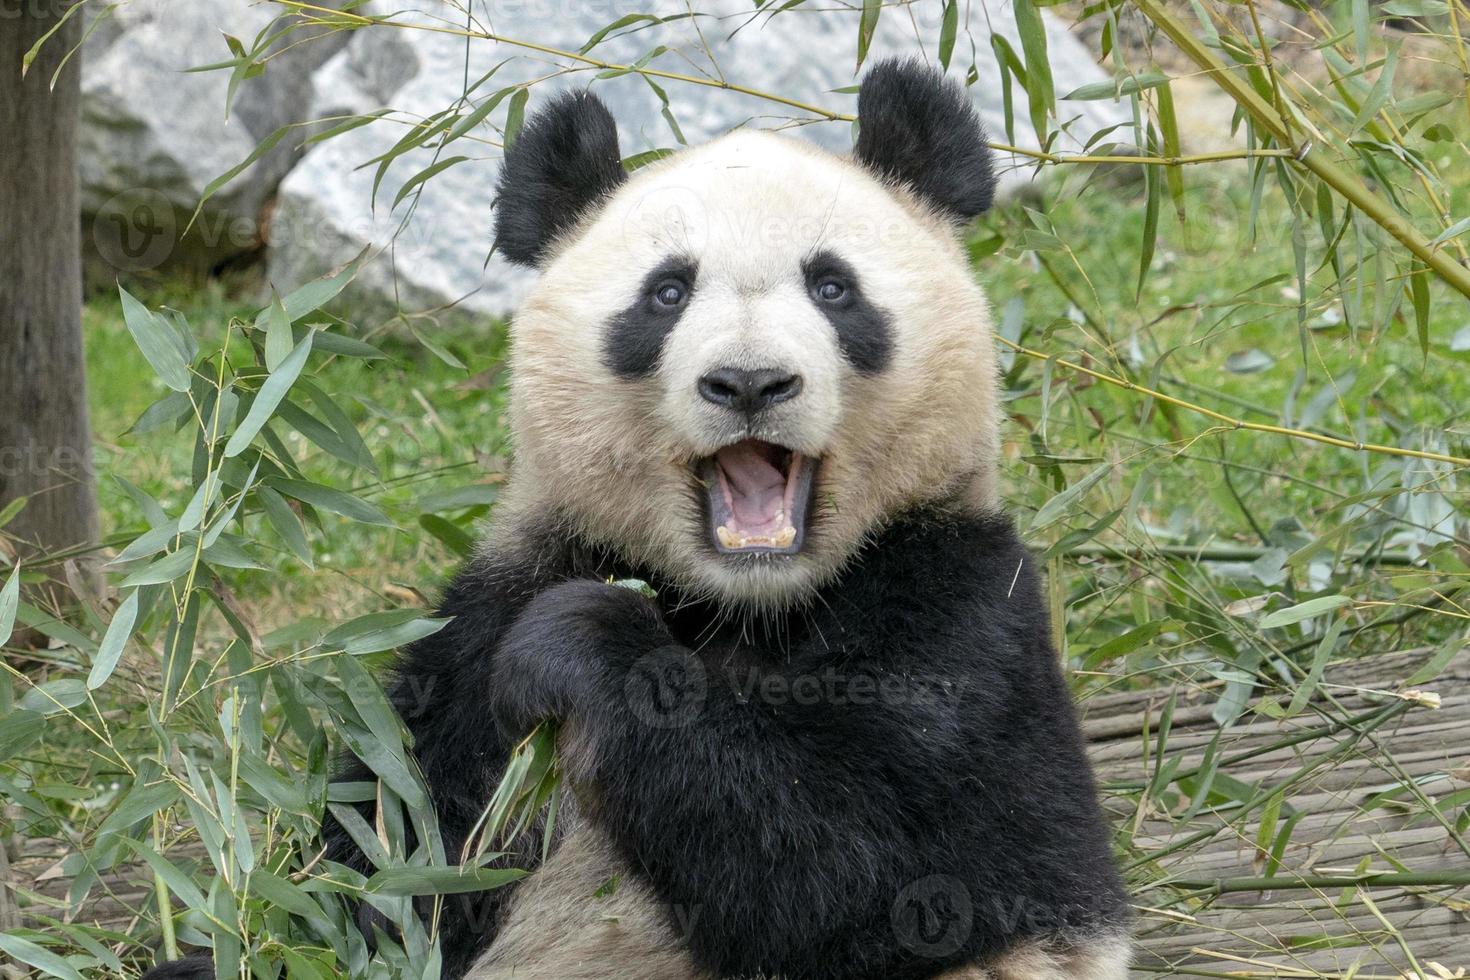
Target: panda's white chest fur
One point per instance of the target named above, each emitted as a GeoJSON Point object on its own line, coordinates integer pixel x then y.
{"type": "Point", "coordinates": [583, 915]}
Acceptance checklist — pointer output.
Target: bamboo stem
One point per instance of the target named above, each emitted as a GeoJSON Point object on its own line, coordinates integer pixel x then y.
{"type": "Point", "coordinates": [1222, 553]}
{"type": "Point", "coordinates": [1231, 422]}
{"type": "Point", "coordinates": [1389, 879]}
{"type": "Point", "coordinates": [165, 905]}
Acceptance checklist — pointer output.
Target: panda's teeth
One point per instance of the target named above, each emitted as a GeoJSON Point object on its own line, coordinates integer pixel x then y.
{"type": "Point", "coordinates": [781, 539]}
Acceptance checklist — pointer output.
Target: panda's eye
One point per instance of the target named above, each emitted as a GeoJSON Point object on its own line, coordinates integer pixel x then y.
{"type": "Point", "coordinates": [831, 290]}
{"type": "Point", "coordinates": [669, 294]}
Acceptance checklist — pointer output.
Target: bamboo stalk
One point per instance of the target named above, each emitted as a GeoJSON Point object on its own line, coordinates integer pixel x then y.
{"type": "Point", "coordinates": [1222, 553]}
{"type": "Point", "coordinates": [1389, 879]}
{"type": "Point", "coordinates": [1231, 422]}
{"type": "Point", "coordinates": [161, 897]}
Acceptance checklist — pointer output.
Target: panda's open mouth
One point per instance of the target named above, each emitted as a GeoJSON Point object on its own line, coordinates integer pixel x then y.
{"type": "Point", "coordinates": [759, 494]}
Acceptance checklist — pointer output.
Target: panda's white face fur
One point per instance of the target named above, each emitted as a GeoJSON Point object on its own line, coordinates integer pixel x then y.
{"type": "Point", "coordinates": [743, 360]}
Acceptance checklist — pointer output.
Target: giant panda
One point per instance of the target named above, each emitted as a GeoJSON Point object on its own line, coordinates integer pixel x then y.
{"type": "Point", "coordinates": [836, 743]}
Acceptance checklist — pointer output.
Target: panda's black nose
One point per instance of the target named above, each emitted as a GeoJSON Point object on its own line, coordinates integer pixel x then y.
{"type": "Point", "coordinates": [748, 391]}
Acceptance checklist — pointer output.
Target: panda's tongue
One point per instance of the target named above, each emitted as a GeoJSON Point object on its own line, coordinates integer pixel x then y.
{"type": "Point", "coordinates": [755, 486]}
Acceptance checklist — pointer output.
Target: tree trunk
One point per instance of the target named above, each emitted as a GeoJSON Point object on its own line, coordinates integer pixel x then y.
{"type": "Point", "coordinates": [45, 440]}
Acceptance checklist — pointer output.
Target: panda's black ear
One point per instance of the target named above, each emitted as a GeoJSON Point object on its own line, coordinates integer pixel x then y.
{"type": "Point", "coordinates": [918, 127]}
{"type": "Point", "coordinates": [564, 161]}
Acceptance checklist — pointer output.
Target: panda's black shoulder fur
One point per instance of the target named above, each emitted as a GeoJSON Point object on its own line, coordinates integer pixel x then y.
{"type": "Point", "coordinates": [785, 820]}
{"type": "Point", "coordinates": [564, 161]}
{"type": "Point", "coordinates": [919, 128]}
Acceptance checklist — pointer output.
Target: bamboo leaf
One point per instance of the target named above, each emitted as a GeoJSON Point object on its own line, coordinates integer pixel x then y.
{"type": "Point", "coordinates": [477, 115]}
{"type": "Point", "coordinates": [515, 115]}
{"type": "Point", "coordinates": [269, 397]}
{"type": "Point", "coordinates": [1062, 502]}
{"type": "Point", "coordinates": [1436, 664]}
{"type": "Point", "coordinates": [313, 295]}
{"type": "Point", "coordinates": [1304, 610]}
{"type": "Point", "coordinates": [278, 339]}
{"type": "Point", "coordinates": [1038, 65]}
{"type": "Point", "coordinates": [9, 604]}
{"type": "Point", "coordinates": [454, 537]}
{"type": "Point", "coordinates": [346, 432]}
{"type": "Point", "coordinates": [9, 513]}
{"type": "Point", "coordinates": [54, 696]}
{"type": "Point", "coordinates": [160, 343]}
{"type": "Point", "coordinates": [339, 636]}
{"type": "Point", "coordinates": [1419, 296]}
{"type": "Point", "coordinates": [165, 569]}
{"type": "Point", "coordinates": [346, 126]}
{"type": "Point", "coordinates": [285, 523]}
{"type": "Point", "coordinates": [1323, 653]}
{"type": "Point", "coordinates": [30, 954]}
{"type": "Point", "coordinates": [1453, 231]}
{"type": "Point", "coordinates": [405, 882]}
{"type": "Point", "coordinates": [618, 24]}
{"type": "Point", "coordinates": [1153, 191]}
{"type": "Point", "coordinates": [423, 175]}
{"type": "Point", "coordinates": [140, 802]}
{"type": "Point", "coordinates": [20, 728]}
{"type": "Point", "coordinates": [212, 188]}
{"type": "Point", "coordinates": [1378, 95]}
{"type": "Point", "coordinates": [949, 29]}
{"type": "Point", "coordinates": [394, 636]}
{"type": "Point", "coordinates": [416, 136]}
{"type": "Point", "coordinates": [1117, 88]}
{"type": "Point", "coordinates": [113, 642]}
{"type": "Point", "coordinates": [337, 501]}
{"type": "Point", "coordinates": [438, 350]}
{"type": "Point", "coordinates": [1173, 148]}
{"type": "Point", "coordinates": [29, 57]}
{"type": "Point", "coordinates": [178, 882]}
{"type": "Point", "coordinates": [867, 25]}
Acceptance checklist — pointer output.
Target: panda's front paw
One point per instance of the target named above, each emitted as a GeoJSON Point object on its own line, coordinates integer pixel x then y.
{"type": "Point", "coordinates": [199, 966]}
{"type": "Point", "coordinates": [564, 655]}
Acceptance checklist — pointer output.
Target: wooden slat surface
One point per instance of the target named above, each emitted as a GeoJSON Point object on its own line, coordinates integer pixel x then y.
{"type": "Point", "coordinates": [1291, 932]}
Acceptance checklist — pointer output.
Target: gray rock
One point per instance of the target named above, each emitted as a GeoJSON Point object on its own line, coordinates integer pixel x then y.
{"type": "Point", "coordinates": [433, 247]}
{"type": "Point", "coordinates": [153, 135]}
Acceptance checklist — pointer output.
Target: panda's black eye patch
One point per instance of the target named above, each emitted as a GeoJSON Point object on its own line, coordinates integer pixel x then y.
{"type": "Point", "coordinates": [864, 330]}
{"type": "Point", "coordinates": [635, 337]}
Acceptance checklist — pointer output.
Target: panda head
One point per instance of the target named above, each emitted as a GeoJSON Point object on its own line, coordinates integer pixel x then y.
{"type": "Point", "coordinates": [742, 360]}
